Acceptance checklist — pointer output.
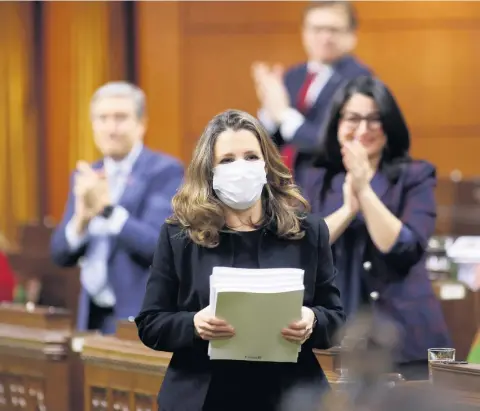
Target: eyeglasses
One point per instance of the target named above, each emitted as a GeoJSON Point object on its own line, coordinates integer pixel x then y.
{"type": "Point", "coordinates": [327, 29]}
{"type": "Point", "coordinates": [353, 121]}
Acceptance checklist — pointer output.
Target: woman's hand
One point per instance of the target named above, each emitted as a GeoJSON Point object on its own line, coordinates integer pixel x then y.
{"type": "Point", "coordinates": [356, 163]}
{"type": "Point", "coordinates": [208, 327]}
{"type": "Point", "coordinates": [300, 331]}
{"type": "Point", "coordinates": [350, 200]}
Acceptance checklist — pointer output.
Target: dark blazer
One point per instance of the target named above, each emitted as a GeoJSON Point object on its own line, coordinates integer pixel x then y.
{"type": "Point", "coordinates": [152, 183]}
{"type": "Point", "coordinates": [399, 277]}
{"type": "Point", "coordinates": [178, 287]}
{"type": "Point", "coordinates": [307, 137]}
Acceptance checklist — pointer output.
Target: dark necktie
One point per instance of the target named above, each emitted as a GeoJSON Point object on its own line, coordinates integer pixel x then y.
{"type": "Point", "coordinates": [288, 151]}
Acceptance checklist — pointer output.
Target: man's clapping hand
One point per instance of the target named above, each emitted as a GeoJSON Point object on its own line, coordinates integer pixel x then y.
{"type": "Point", "coordinates": [208, 327]}
{"type": "Point", "coordinates": [270, 88]}
{"type": "Point", "coordinates": [91, 194]}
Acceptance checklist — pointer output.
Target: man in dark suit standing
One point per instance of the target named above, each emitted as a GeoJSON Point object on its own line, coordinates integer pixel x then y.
{"type": "Point", "coordinates": [115, 210]}
{"type": "Point", "coordinates": [294, 104]}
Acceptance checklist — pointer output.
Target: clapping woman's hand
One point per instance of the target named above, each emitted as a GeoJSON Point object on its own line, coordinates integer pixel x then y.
{"type": "Point", "coordinates": [208, 327]}
{"type": "Point", "coordinates": [349, 198]}
{"type": "Point", "coordinates": [356, 163]}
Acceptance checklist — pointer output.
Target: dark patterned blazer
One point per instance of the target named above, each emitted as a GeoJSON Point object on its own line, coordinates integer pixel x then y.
{"type": "Point", "coordinates": [397, 280]}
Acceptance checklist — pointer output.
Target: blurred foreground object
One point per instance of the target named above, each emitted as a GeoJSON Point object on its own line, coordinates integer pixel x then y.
{"type": "Point", "coordinates": [368, 383]}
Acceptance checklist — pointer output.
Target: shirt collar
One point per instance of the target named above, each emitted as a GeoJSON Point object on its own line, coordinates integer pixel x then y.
{"type": "Point", "coordinates": [316, 67]}
{"type": "Point", "coordinates": [125, 165]}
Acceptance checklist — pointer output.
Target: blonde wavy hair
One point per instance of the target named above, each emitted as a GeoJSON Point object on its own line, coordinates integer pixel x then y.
{"type": "Point", "coordinates": [199, 212]}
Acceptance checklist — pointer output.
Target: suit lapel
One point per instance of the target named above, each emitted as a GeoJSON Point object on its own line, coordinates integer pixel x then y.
{"type": "Point", "coordinates": [334, 198]}
{"type": "Point", "coordinates": [296, 84]}
{"type": "Point", "coordinates": [380, 185]}
{"type": "Point", "coordinates": [135, 183]}
{"type": "Point", "coordinates": [135, 186]}
{"type": "Point", "coordinates": [327, 91]}
{"type": "Point", "coordinates": [340, 73]}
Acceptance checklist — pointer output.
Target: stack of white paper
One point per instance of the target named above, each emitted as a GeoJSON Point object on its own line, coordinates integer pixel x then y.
{"type": "Point", "coordinates": [258, 304]}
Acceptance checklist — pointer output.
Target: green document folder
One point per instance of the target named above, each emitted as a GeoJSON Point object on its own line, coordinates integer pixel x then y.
{"type": "Point", "coordinates": [258, 319]}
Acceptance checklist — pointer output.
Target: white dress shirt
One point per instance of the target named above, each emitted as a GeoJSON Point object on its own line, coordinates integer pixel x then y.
{"type": "Point", "coordinates": [292, 118]}
{"type": "Point", "coordinates": [94, 270]}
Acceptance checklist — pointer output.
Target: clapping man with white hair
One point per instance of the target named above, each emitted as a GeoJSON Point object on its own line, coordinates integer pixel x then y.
{"type": "Point", "coordinates": [115, 209]}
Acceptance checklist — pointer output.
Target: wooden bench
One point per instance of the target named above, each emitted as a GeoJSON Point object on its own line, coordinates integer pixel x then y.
{"type": "Point", "coordinates": [34, 358]}
{"type": "Point", "coordinates": [120, 372]}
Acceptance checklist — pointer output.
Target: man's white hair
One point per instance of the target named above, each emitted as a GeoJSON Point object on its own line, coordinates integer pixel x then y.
{"type": "Point", "coordinates": [122, 89]}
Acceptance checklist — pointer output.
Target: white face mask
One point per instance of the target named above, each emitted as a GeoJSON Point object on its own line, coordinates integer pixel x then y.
{"type": "Point", "coordinates": [239, 184]}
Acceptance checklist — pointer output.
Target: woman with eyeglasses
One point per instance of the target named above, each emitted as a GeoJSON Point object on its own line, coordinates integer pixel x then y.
{"type": "Point", "coordinates": [379, 205]}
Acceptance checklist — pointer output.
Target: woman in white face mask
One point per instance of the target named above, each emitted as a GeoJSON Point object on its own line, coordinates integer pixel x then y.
{"type": "Point", "coordinates": [238, 207]}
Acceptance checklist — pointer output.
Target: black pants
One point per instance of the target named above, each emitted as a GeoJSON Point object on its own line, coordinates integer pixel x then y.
{"type": "Point", "coordinates": [98, 315]}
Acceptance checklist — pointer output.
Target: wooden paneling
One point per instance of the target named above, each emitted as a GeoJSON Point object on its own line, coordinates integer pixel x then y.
{"type": "Point", "coordinates": [450, 152]}
{"type": "Point", "coordinates": [58, 85]}
{"type": "Point", "coordinates": [18, 119]}
{"type": "Point", "coordinates": [428, 53]}
{"type": "Point", "coordinates": [159, 51]}
{"type": "Point", "coordinates": [84, 46]}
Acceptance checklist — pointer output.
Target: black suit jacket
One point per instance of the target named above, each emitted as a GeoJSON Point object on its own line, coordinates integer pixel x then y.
{"type": "Point", "coordinates": [178, 287]}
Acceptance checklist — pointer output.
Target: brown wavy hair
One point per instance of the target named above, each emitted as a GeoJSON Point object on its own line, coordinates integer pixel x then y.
{"type": "Point", "coordinates": [196, 207]}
